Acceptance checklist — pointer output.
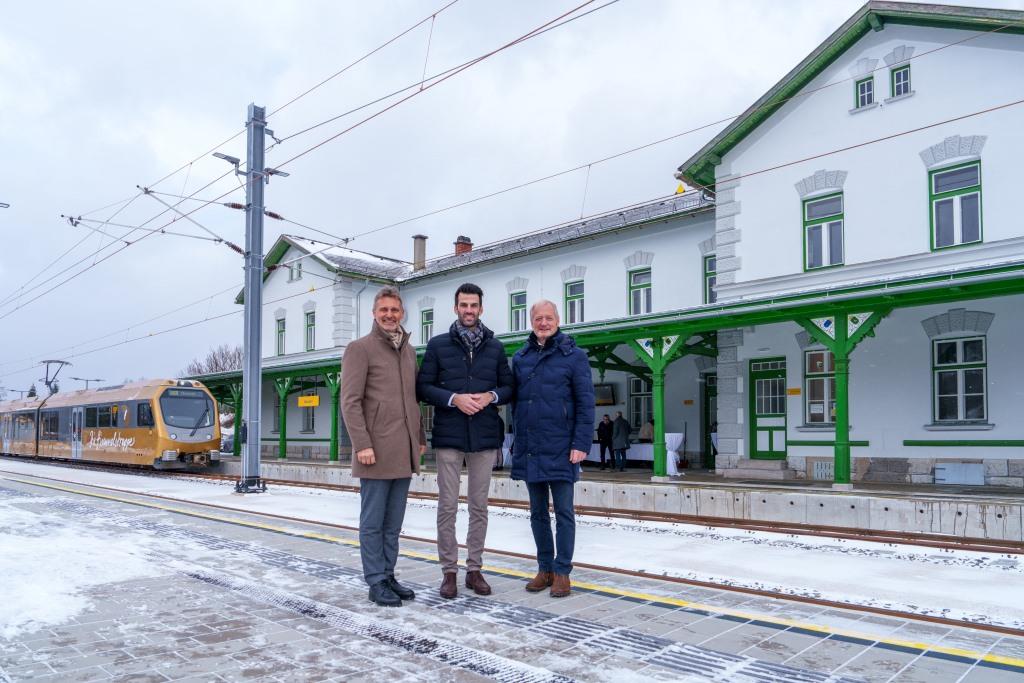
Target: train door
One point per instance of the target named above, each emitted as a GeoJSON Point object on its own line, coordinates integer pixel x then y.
{"type": "Point", "coordinates": [76, 433]}
{"type": "Point", "coordinates": [6, 427]}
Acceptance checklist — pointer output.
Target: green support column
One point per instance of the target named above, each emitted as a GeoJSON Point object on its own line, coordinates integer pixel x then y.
{"type": "Point", "coordinates": [283, 386]}
{"type": "Point", "coordinates": [841, 354]}
{"type": "Point", "coordinates": [236, 401]}
{"type": "Point", "coordinates": [333, 381]}
{"type": "Point", "coordinates": [658, 353]}
{"type": "Point", "coordinates": [840, 333]}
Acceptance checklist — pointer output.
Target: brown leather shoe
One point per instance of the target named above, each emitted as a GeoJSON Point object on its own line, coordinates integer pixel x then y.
{"type": "Point", "coordinates": [561, 587]}
{"type": "Point", "coordinates": [449, 587]}
{"type": "Point", "coordinates": [475, 580]}
{"type": "Point", "coordinates": [540, 582]}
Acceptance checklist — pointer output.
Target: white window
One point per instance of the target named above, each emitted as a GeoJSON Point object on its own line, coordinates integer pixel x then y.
{"type": "Point", "coordinates": [310, 330]}
{"type": "Point", "coordinates": [641, 402]}
{"type": "Point", "coordinates": [309, 414]}
{"type": "Point", "coordinates": [640, 291]}
{"type": "Point", "coordinates": [901, 81]}
{"type": "Point", "coordinates": [865, 93]}
{"type": "Point", "coordinates": [517, 311]}
{"type": "Point", "coordinates": [819, 388]}
{"type": "Point", "coordinates": [426, 325]}
{"type": "Point", "coordinates": [574, 302]}
{"type": "Point", "coordinates": [956, 205]}
{"type": "Point", "coordinates": [959, 367]}
{"type": "Point", "coordinates": [823, 232]}
{"type": "Point", "coordinates": [294, 271]}
{"type": "Point", "coordinates": [280, 337]}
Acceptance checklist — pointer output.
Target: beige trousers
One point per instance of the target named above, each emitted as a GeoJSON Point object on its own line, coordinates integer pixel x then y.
{"type": "Point", "coordinates": [449, 472]}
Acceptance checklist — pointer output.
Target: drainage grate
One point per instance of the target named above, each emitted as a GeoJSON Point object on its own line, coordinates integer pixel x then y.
{"type": "Point", "coordinates": [823, 470]}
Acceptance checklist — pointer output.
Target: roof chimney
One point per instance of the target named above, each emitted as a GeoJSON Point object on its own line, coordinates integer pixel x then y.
{"type": "Point", "coordinates": [463, 245]}
{"type": "Point", "coordinates": [419, 252]}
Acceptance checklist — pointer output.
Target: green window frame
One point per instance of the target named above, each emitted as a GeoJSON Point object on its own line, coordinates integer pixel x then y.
{"type": "Point", "coordinates": [279, 340]}
{"type": "Point", "coordinates": [899, 81]}
{"type": "Point", "coordinates": [710, 278]}
{"type": "Point", "coordinates": [310, 330]}
{"type": "Point", "coordinates": [517, 311]}
{"type": "Point", "coordinates": [954, 205]}
{"type": "Point", "coordinates": [641, 403]}
{"type": "Point", "coordinates": [824, 232]}
{"type": "Point", "coordinates": [574, 293]}
{"type": "Point", "coordinates": [864, 92]}
{"type": "Point", "coordinates": [309, 414]}
{"type": "Point", "coordinates": [426, 325]}
{"type": "Point", "coordinates": [640, 299]}
{"type": "Point", "coordinates": [819, 387]}
{"type": "Point", "coordinates": [959, 380]}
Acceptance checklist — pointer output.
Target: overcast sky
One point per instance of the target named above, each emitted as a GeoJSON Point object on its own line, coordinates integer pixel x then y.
{"type": "Point", "coordinates": [100, 97]}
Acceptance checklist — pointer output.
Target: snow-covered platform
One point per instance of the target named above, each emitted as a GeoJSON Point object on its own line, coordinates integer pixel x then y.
{"type": "Point", "coordinates": [955, 511]}
{"type": "Point", "coordinates": [107, 584]}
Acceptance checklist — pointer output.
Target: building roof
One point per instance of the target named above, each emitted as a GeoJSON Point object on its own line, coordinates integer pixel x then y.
{"type": "Point", "coordinates": [700, 168]}
{"type": "Point", "coordinates": [362, 264]}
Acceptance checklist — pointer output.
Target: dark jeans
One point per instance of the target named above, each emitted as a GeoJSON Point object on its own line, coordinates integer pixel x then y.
{"type": "Point", "coordinates": [561, 494]}
{"type": "Point", "coordinates": [606, 447]}
{"type": "Point", "coordinates": [382, 509]}
{"type": "Point", "coordinates": [620, 460]}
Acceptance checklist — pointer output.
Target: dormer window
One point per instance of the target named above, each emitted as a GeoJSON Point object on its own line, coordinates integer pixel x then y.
{"type": "Point", "coordinates": [865, 92]}
{"type": "Point", "coordinates": [295, 271]}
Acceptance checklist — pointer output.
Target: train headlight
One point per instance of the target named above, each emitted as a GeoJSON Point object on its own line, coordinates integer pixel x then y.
{"type": "Point", "coordinates": [209, 437]}
{"type": "Point", "coordinates": [174, 437]}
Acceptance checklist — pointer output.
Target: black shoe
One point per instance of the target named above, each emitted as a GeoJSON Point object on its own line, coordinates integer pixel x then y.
{"type": "Point", "coordinates": [400, 590]}
{"type": "Point", "coordinates": [381, 594]}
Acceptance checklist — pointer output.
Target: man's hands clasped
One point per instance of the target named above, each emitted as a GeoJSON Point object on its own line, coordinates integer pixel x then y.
{"type": "Point", "coordinates": [471, 404]}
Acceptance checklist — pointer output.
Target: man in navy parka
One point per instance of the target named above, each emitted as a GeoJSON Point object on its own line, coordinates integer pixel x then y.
{"type": "Point", "coordinates": [553, 418]}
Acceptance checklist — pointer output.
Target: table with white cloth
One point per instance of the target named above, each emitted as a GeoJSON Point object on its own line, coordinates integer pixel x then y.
{"type": "Point", "coordinates": [645, 451]}
{"type": "Point", "coordinates": [506, 450]}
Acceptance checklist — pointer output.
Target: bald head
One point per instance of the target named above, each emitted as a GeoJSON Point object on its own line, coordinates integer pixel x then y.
{"type": "Point", "coordinates": [544, 319]}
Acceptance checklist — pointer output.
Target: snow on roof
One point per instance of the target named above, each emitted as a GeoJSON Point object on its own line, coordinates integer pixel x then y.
{"type": "Point", "coordinates": [347, 259]}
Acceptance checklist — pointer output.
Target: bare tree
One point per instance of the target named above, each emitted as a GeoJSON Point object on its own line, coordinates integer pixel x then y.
{"type": "Point", "coordinates": [219, 359]}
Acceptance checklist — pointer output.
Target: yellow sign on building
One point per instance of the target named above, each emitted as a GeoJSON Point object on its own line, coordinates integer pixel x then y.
{"type": "Point", "coordinates": [309, 401]}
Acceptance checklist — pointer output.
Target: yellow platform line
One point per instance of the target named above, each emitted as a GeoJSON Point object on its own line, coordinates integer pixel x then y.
{"type": "Point", "coordinates": [503, 571]}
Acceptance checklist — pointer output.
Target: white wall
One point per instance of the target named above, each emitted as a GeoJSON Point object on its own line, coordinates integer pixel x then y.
{"type": "Point", "coordinates": [886, 198]}
{"type": "Point", "coordinates": [891, 385]}
{"type": "Point", "coordinates": [295, 296]}
{"type": "Point", "coordinates": [676, 269]}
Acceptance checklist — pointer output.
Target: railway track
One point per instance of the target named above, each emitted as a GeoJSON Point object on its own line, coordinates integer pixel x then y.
{"type": "Point", "coordinates": [893, 538]}
{"type": "Point", "coordinates": [834, 604]}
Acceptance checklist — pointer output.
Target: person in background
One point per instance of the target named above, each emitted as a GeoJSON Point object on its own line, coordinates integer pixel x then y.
{"type": "Point", "coordinates": [554, 420]}
{"type": "Point", "coordinates": [465, 376]}
{"type": "Point", "coordinates": [620, 441]}
{"type": "Point", "coordinates": [604, 440]}
{"type": "Point", "coordinates": [378, 403]}
{"type": "Point", "coordinates": [647, 432]}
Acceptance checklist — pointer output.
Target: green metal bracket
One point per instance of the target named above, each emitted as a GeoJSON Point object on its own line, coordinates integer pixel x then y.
{"type": "Point", "coordinates": [840, 333]}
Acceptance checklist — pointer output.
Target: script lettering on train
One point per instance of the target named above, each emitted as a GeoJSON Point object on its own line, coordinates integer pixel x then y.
{"type": "Point", "coordinates": [116, 442]}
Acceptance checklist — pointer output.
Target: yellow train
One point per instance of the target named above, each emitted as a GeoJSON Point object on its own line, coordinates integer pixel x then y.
{"type": "Point", "coordinates": [164, 424]}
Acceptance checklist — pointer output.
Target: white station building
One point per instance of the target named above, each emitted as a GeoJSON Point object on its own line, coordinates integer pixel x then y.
{"type": "Point", "coordinates": [836, 301]}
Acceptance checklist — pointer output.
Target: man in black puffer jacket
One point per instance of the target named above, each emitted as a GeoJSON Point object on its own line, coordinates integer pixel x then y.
{"type": "Point", "coordinates": [465, 376]}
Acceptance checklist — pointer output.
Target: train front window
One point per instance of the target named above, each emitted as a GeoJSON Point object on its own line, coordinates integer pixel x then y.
{"type": "Point", "coordinates": [186, 408]}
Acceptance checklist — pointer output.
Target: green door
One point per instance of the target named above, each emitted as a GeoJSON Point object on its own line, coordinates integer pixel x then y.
{"type": "Point", "coordinates": [768, 408]}
{"type": "Point", "coordinates": [709, 418]}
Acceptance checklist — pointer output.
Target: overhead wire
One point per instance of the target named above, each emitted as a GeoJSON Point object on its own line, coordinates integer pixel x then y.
{"type": "Point", "coordinates": [767, 169]}
{"type": "Point", "coordinates": [309, 150]}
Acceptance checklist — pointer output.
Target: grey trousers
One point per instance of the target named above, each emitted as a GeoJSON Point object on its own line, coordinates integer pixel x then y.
{"type": "Point", "coordinates": [382, 510]}
{"type": "Point", "coordinates": [449, 472]}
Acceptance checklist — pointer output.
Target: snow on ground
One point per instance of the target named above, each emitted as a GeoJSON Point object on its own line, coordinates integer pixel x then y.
{"type": "Point", "coordinates": [980, 587]}
{"type": "Point", "coordinates": [46, 567]}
